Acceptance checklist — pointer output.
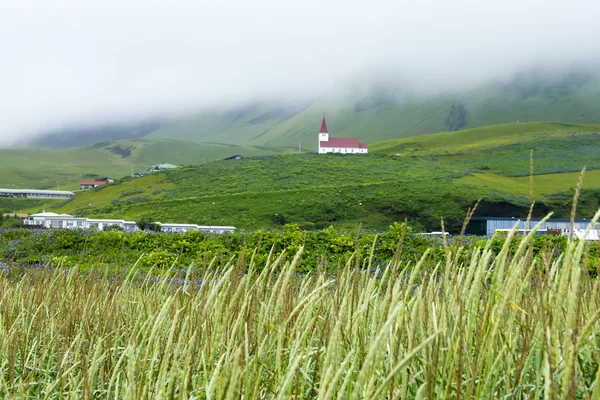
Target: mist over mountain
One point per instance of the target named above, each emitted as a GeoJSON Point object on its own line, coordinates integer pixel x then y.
{"type": "Point", "coordinates": [372, 112]}
{"type": "Point", "coordinates": [380, 111]}
{"type": "Point", "coordinates": [117, 63]}
{"type": "Point", "coordinates": [77, 136]}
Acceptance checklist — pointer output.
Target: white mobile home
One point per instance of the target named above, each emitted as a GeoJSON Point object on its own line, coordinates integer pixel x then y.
{"type": "Point", "coordinates": [104, 223]}
{"type": "Point", "coordinates": [217, 229]}
{"type": "Point", "coordinates": [487, 226]}
{"type": "Point", "coordinates": [36, 194]}
{"type": "Point", "coordinates": [171, 228]}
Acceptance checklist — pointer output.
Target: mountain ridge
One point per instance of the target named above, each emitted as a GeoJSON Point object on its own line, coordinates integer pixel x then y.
{"type": "Point", "coordinates": [371, 112]}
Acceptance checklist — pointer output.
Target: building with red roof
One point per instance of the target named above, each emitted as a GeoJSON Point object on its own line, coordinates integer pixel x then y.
{"type": "Point", "coordinates": [83, 185]}
{"type": "Point", "coordinates": [339, 145]}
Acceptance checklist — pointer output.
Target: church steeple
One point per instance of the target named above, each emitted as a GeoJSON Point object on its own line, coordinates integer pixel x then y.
{"type": "Point", "coordinates": [324, 133]}
{"type": "Point", "coordinates": [324, 126]}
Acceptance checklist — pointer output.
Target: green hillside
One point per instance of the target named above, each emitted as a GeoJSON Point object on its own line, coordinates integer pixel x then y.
{"type": "Point", "coordinates": [312, 190]}
{"type": "Point", "coordinates": [486, 137]}
{"type": "Point", "coordinates": [41, 169]}
{"type": "Point", "coordinates": [436, 176]}
{"type": "Point", "coordinates": [381, 112]}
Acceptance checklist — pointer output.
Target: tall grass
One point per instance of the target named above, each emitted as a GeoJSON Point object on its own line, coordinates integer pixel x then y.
{"type": "Point", "coordinates": [504, 326]}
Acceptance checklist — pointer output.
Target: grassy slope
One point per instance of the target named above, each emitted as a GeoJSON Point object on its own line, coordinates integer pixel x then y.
{"type": "Point", "coordinates": [543, 185]}
{"type": "Point", "coordinates": [315, 191]}
{"type": "Point", "coordinates": [151, 187]}
{"type": "Point", "coordinates": [439, 176]}
{"type": "Point", "coordinates": [486, 137]}
{"type": "Point", "coordinates": [27, 168]}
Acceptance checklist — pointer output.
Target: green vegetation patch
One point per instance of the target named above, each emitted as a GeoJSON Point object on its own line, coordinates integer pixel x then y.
{"type": "Point", "coordinates": [49, 169]}
{"type": "Point", "coordinates": [258, 326]}
{"type": "Point", "coordinates": [544, 186]}
{"type": "Point", "coordinates": [314, 191]}
{"type": "Point", "coordinates": [486, 137]}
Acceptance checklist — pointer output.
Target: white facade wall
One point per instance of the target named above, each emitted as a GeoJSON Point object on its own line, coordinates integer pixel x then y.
{"type": "Point", "coordinates": [343, 150]}
{"type": "Point", "coordinates": [492, 225]}
{"type": "Point", "coordinates": [36, 194]}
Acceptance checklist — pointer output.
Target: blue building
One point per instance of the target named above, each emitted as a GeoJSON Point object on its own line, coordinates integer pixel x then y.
{"type": "Point", "coordinates": [486, 226]}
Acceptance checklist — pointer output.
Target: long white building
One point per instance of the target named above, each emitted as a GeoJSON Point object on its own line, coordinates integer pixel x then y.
{"type": "Point", "coordinates": [66, 221]}
{"type": "Point", "coordinates": [36, 194]}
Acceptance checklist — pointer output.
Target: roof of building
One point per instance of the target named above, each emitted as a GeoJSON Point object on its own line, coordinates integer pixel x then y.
{"type": "Point", "coordinates": [36, 191]}
{"type": "Point", "coordinates": [105, 220]}
{"type": "Point", "coordinates": [93, 182]}
{"type": "Point", "coordinates": [176, 225]}
{"type": "Point", "coordinates": [324, 126]}
{"type": "Point", "coordinates": [50, 214]}
{"type": "Point", "coordinates": [344, 143]}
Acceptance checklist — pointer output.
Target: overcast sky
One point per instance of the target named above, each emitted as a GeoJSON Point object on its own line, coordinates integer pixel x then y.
{"type": "Point", "coordinates": [67, 61]}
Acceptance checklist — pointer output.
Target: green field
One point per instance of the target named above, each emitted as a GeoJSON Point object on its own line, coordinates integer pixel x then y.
{"type": "Point", "coordinates": [483, 138]}
{"type": "Point", "coordinates": [543, 185]}
{"type": "Point", "coordinates": [49, 169]}
{"type": "Point", "coordinates": [311, 190]}
{"type": "Point", "coordinates": [436, 176]}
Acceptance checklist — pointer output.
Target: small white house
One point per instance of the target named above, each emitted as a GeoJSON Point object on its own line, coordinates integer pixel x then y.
{"type": "Point", "coordinates": [171, 228]}
{"type": "Point", "coordinates": [339, 145]}
{"type": "Point", "coordinates": [217, 229]}
{"type": "Point", "coordinates": [84, 185]}
{"type": "Point", "coordinates": [53, 220]}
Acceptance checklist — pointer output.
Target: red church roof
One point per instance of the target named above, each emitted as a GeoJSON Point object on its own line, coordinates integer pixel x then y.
{"type": "Point", "coordinates": [348, 143]}
{"type": "Point", "coordinates": [324, 126]}
{"type": "Point", "coordinates": [340, 142]}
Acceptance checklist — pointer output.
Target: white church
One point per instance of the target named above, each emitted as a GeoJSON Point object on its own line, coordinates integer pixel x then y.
{"type": "Point", "coordinates": [339, 145]}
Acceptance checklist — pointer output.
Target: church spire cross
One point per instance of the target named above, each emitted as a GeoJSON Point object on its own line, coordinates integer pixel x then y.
{"type": "Point", "coordinates": [324, 126]}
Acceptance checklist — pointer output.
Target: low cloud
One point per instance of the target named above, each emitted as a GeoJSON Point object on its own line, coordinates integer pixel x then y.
{"type": "Point", "coordinates": [70, 62]}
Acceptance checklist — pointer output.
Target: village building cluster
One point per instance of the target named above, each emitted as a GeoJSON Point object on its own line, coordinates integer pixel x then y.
{"type": "Point", "coordinates": [66, 221]}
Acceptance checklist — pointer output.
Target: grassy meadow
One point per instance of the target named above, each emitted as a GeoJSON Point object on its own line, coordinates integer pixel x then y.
{"type": "Point", "coordinates": [310, 190]}
{"type": "Point", "coordinates": [50, 169]}
{"type": "Point", "coordinates": [544, 185]}
{"type": "Point", "coordinates": [481, 138]}
{"type": "Point", "coordinates": [317, 191]}
{"type": "Point", "coordinates": [436, 176]}
{"type": "Point", "coordinates": [513, 321]}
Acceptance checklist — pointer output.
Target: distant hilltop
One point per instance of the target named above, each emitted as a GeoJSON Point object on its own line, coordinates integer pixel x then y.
{"type": "Point", "coordinates": [375, 112]}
